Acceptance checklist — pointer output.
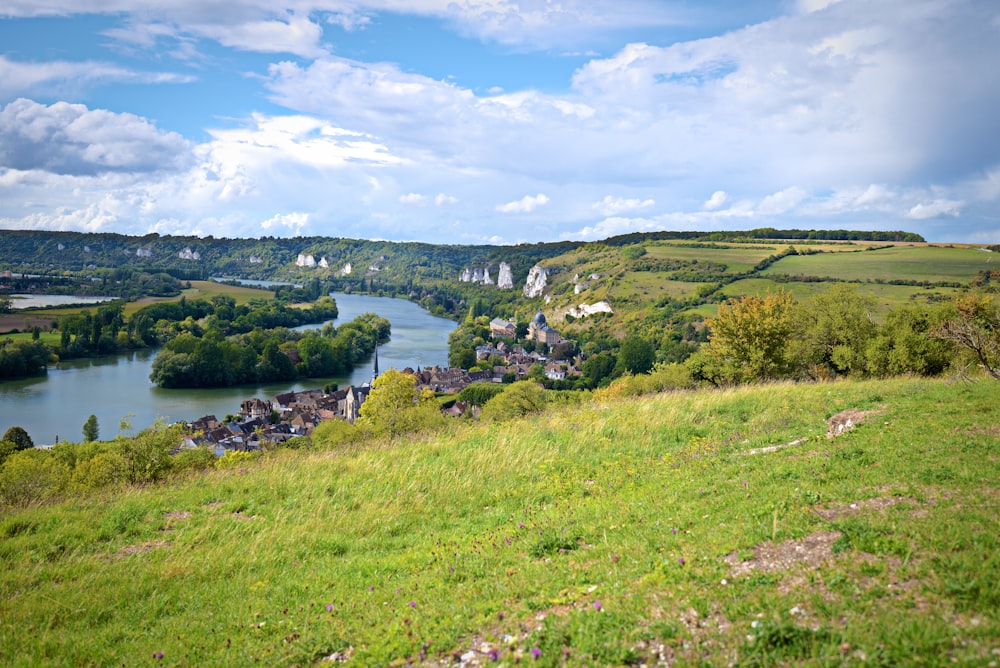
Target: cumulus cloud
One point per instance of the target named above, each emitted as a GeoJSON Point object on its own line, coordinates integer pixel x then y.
{"type": "Point", "coordinates": [526, 204]}
{"type": "Point", "coordinates": [72, 139]}
{"type": "Point", "coordinates": [782, 201]}
{"type": "Point", "coordinates": [293, 222]}
{"type": "Point", "coordinates": [441, 199]}
{"type": "Point", "coordinates": [938, 208]}
{"type": "Point", "coordinates": [413, 199]}
{"type": "Point", "coordinates": [610, 206]}
{"type": "Point", "coordinates": [718, 198]}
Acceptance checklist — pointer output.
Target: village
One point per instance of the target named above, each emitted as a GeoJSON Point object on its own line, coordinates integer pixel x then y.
{"type": "Point", "coordinates": [264, 423]}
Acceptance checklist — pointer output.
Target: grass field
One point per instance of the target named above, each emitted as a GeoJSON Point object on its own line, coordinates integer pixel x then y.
{"type": "Point", "coordinates": [886, 296]}
{"type": "Point", "coordinates": [927, 263]}
{"type": "Point", "coordinates": [648, 530]}
{"type": "Point", "coordinates": [737, 259]}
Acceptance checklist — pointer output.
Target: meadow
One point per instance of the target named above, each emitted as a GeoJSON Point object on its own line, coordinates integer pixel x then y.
{"type": "Point", "coordinates": [718, 527]}
{"type": "Point", "coordinates": [919, 263]}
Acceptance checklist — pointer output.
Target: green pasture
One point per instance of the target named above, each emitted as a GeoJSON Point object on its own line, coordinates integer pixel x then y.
{"type": "Point", "coordinates": [737, 259]}
{"type": "Point", "coordinates": [620, 532]}
{"type": "Point", "coordinates": [918, 263]}
{"type": "Point", "coordinates": [645, 287]}
{"type": "Point", "coordinates": [887, 296]}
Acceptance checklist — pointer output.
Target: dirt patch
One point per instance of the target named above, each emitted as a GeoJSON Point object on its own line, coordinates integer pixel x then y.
{"type": "Point", "coordinates": [141, 548]}
{"type": "Point", "coordinates": [840, 511]}
{"type": "Point", "coordinates": [846, 421]}
{"type": "Point", "coordinates": [813, 550]}
{"type": "Point", "coordinates": [993, 431]}
{"type": "Point", "coordinates": [177, 514]}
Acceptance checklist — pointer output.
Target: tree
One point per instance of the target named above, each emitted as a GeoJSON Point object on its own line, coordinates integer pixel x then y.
{"type": "Point", "coordinates": [636, 355]}
{"type": "Point", "coordinates": [385, 409]}
{"type": "Point", "coordinates": [519, 399]}
{"type": "Point", "coordinates": [19, 437]}
{"type": "Point", "coordinates": [749, 340]}
{"type": "Point", "coordinates": [975, 327]}
{"type": "Point", "coordinates": [835, 329]}
{"type": "Point", "coordinates": [90, 429]}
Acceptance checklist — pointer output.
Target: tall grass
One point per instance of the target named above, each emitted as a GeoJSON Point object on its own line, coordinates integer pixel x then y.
{"type": "Point", "coordinates": [597, 535]}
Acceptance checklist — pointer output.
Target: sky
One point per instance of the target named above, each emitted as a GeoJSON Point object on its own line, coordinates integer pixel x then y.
{"type": "Point", "coordinates": [499, 121]}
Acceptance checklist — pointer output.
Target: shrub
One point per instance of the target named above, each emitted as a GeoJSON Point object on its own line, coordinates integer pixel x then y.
{"type": "Point", "coordinates": [30, 476]}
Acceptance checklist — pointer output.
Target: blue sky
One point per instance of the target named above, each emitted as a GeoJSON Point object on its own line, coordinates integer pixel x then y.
{"type": "Point", "coordinates": [499, 121]}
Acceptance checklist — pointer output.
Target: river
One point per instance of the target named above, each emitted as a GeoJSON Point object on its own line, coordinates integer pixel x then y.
{"type": "Point", "coordinates": [57, 404]}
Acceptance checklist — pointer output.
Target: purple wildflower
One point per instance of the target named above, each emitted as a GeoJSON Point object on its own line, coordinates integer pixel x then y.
{"type": "Point", "coordinates": [681, 561]}
{"type": "Point", "coordinates": [520, 525]}
{"type": "Point", "coordinates": [673, 530]}
{"type": "Point", "coordinates": [597, 605]}
{"type": "Point", "coordinates": [413, 604]}
{"type": "Point", "coordinates": [535, 653]}
{"type": "Point", "coordinates": [494, 655]}
{"type": "Point", "coordinates": [329, 607]}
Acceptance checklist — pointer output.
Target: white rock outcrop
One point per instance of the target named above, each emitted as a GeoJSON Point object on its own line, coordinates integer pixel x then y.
{"type": "Point", "coordinates": [486, 277]}
{"type": "Point", "coordinates": [535, 284]}
{"type": "Point", "coordinates": [346, 271]}
{"type": "Point", "coordinates": [583, 310]}
{"type": "Point", "coordinates": [304, 260]}
{"type": "Point", "coordinates": [505, 279]}
{"type": "Point", "coordinates": [188, 254]}
{"type": "Point", "coordinates": [323, 263]}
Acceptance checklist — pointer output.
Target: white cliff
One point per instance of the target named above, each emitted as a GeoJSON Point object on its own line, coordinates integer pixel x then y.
{"type": "Point", "coordinates": [505, 279]}
{"type": "Point", "coordinates": [188, 254]}
{"type": "Point", "coordinates": [323, 263]}
{"type": "Point", "coordinates": [536, 282]}
{"type": "Point", "coordinates": [305, 260]}
{"type": "Point", "coordinates": [583, 310]}
{"type": "Point", "coordinates": [346, 271]}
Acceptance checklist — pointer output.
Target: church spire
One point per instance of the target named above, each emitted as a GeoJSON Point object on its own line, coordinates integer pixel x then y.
{"type": "Point", "coordinates": [375, 365]}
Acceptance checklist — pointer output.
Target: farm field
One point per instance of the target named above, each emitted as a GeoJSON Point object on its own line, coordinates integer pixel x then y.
{"type": "Point", "coordinates": [887, 296]}
{"type": "Point", "coordinates": [621, 531]}
{"type": "Point", "coordinates": [918, 263]}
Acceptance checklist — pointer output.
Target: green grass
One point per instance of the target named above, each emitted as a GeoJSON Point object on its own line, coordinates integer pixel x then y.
{"type": "Point", "coordinates": [886, 296]}
{"type": "Point", "coordinates": [736, 259]}
{"type": "Point", "coordinates": [447, 543]}
{"type": "Point", "coordinates": [919, 263]}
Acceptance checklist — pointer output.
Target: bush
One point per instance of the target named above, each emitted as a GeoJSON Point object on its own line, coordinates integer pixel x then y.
{"type": "Point", "coordinates": [194, 459]}
{"type": "Point", "coordinates": [517, 400]}
{"type": "Point", "coordinates": [235, 458]}
{"type": "Point", "coordinates": [30, 476]}
{"type": "Point", "coordinates": [101, 470]}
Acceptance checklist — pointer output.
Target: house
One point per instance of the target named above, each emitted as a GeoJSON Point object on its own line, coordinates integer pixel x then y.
{"type": "Point", "coordinates": [256, 409]}
{"type": "Point", "coordinates": [502, 329]}
{"type": "Point", "coordinates": [555, 372]}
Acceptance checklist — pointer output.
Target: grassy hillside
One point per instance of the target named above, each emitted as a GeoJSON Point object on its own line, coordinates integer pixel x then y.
{"type": "Point", "coordinates": [615, 532]}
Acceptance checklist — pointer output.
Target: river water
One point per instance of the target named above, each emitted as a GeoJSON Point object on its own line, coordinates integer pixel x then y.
{"type": "Point", "coordinates": [57, 404]}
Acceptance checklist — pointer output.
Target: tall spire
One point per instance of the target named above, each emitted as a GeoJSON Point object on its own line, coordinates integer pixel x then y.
{"type": "Point", "coordinates": [375, 365]}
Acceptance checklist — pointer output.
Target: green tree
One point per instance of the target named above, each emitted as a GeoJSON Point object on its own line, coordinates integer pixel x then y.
{"type": "Point", "coordinates": [749, 340]}
{"type": "Point", "coordinates": [834, 331]}
{"type": "Point", "coordinates": [974, 327]}
{"type": "Point", "coordinates": [636, 356]}
{"type": "Point", "coordinates": [517, 400]}
{"type": "Point", "coordinates": [385, 409]}
{"type": "Point", "coordinates": [90, 429]}
{"type": "Point", "coordinates": [19, 437]}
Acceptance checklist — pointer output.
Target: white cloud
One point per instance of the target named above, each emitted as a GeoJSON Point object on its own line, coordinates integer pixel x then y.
{"type": "Point", "coordinates": [67, 78]}
{"type": "Point", "coordinates": [782, 201]}
{"type": "Point", "coordinates": [526, 204]}
{"type": "Point", "coordinates": [938, 208]}
{"type": "Point", "coordinates": [293, 222]}
{"type": "Point", "coordinates": [413, 199]}
{"type": "Point", "coordinates": [441, 199]}
{"type": "Point", "coordinates": [72, 139]}
{"type": "Point", "coordinates": [718, 198]}
{"type": "Point", "coordinates": [611, 206]}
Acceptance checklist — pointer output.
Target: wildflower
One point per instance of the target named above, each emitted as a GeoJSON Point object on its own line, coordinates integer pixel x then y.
{"type": "Point", "coordinates": [413, 604]}
{"type": "Point", "coordinates": [158, 655]}
{"type": "Point", "coordinates": [494, 655]}
{"type": "Point", "coordinates": [329, 607]}
{"type": "Point", "coordinates": [535, 653]}
{"type": "Point", "coordinates": [597, 606]}
{"type": "Point", "coordinates": [673, 530]}
{"type": "Point", "coordinates": [681, 561]}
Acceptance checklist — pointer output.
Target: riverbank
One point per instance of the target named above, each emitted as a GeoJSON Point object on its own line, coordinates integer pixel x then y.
{"type": "Point", "coordinates": [118, 386]}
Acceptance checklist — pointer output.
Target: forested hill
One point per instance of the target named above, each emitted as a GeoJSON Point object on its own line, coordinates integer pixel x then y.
{"type": "Point", "coordinates": [189, 257]}
{"type": "Point", "coordinates": [268, 257]}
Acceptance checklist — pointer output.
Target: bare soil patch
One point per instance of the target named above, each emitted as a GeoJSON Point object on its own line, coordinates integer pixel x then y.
{"type": "Point", "coordinates": [811, 551]}
{"type": "Point", "coordinates": [141, 548]}
{"type": "Point", "coordinates": [846, 421]}
{"type": "Point", "coordinates": [840, 511]}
